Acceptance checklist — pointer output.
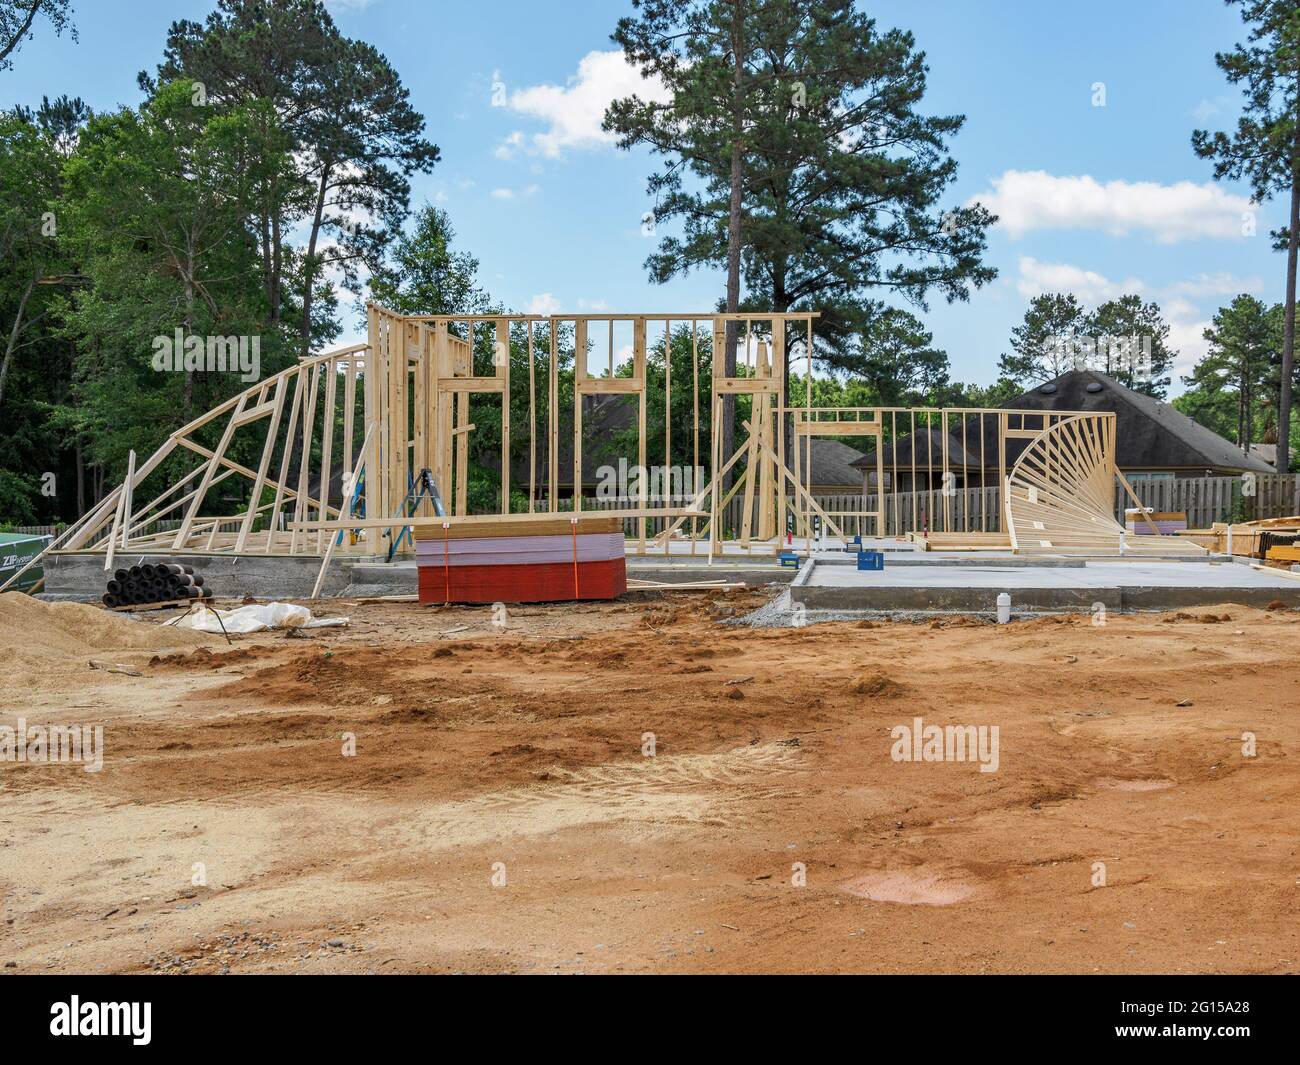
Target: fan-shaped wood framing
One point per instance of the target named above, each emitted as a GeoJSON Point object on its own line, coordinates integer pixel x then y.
{"type": "Point", "coordinates": [1060, 494]}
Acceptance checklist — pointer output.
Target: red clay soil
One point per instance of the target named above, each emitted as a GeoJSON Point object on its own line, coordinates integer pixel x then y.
{"type": "Point", "coordinates": [637, 787]}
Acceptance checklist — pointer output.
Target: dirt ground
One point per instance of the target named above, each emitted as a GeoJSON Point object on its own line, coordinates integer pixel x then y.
{"type": "Point", "coordinates": [638, 787]}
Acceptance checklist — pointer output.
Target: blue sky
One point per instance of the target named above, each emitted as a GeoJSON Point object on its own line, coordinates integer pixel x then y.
{"type": "Point", "coordinates": [1099, 200]}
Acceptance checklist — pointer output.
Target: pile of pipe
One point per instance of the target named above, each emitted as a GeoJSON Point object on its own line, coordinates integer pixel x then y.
{"type": "Point", "coordinates": [162, 582]}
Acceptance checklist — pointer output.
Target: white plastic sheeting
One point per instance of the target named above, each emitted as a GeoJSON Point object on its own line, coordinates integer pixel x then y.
{"type": "Point", "coordinates": [256, 618]}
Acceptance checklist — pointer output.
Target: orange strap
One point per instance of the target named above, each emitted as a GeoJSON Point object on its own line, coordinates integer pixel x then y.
{"type": "Point", "coordinates": [574, 524]}
{"type": "Point", "coordinates": [446, 565]}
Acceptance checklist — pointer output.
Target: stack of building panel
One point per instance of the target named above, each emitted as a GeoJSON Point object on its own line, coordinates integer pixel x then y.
{"type": "Point", "coordinates": [1169, 524]}
{"type": "Point", "coordinates": [516, 561]}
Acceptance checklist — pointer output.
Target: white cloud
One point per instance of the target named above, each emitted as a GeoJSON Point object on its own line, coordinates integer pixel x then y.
{"type": "Point", "coordinates": [1027, 200]}
{"type": "Point", "coordinates": [1207, 109]}
{"type": "Point", "coordinates": [510, 194]}
{"type": "Point", "coordinates": [1186, 320]}
{"type": "Point", "coordinates": [573, 112]}
{"type": "Point", "coordinates": [337, 7]}
{"type": "Point", "coordinates": [507, 148]}
{"type": "Point", "coordinates": [1220, 284]}
{"type": "Point", "coordinates": [543, 303]}
{"type": "Point", "coordinates": [1037, 277]}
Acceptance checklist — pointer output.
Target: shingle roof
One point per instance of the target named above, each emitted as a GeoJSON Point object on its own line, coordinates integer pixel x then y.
{"type": "Point", "coordinates": [925, 448]}
{"type": "Point", "coordinates": [832, 464]}
{"type": "Point", "coordinates": [1150, 434]}
{"type": "Point", "coordinates": [603, 416]}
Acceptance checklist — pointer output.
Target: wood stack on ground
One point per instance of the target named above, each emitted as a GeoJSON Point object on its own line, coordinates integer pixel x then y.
{"type": "Point", "coordinates": [1166, 523]}
{"type": "Point", "coordinates": [1267, 538]}
{"type": "Point", "coordinates": [522, 561]}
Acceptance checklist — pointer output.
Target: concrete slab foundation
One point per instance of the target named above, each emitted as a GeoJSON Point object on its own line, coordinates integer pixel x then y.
{"type": "Point", "coordinates": [912, 581]}
{"type": "Point", "coordinates": [974, 589]}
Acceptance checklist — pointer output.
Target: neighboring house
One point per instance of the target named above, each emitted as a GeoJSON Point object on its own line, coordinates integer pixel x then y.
{"type": "Point", "coordinates": [833, 470]}
{"type": "Point", "coordinates": [606, 419]}
{"type": "Point", "coordinates": [916, 459]}
{"type": "Point", "coordinates": [1267, 453]}
{"type": "Point", "coordinates": [1153, 440]}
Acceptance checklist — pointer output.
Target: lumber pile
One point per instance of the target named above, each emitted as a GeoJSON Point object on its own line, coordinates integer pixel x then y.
{"type": "Point", "coordinates": [1250, 539]}
{"type": "Point", "coordinates": [518, 561]}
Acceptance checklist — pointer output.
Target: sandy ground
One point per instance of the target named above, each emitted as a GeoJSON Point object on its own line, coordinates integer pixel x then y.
{"type": "Point", "coordinates": [501, 812]}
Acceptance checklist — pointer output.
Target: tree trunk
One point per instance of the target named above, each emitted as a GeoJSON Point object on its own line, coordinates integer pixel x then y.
{"type": "Point", "coordinates": [1243, 415]}
{"type": "Point", "coordinates": [277, 270]}
{"type": "Point", "coordinates": [81, 480]}
{"type": "Point", "coordinates": [309, 266]}
{"type": "Point", "coordinates": [14, 333]}
{"type": "Point", "coordinates": [189, 328]}
{"type": "Point", "coordinates": [733, 230]}
{"type": "Point", "coordinates": [264, 229]}
{"type": "Point", "coordinates": [1283, 461]}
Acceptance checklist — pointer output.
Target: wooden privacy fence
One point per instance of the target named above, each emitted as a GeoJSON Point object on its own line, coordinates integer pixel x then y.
{"type": "Point", "coordinates": [1209, 499]}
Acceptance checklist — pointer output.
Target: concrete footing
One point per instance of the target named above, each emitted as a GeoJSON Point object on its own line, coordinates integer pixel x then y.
{"type": "Point", "coordinates": [81, 576]}
{"type": "Point", "coordinates": [77, 575]}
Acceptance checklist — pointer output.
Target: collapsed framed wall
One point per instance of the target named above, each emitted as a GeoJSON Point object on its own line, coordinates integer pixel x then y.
{"type": "Point", "coordinates": [327, 457]}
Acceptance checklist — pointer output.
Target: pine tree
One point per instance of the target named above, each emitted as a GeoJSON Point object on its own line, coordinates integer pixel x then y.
{"type": "Point", "coordinates": [1228, 384]}
{"type": "Point", "coordinates": [1129, 341]}
{"type": "Point", "coordinates": [813, 167]}
{"type": "Point", "coordinates": [899, 363]}
{"type": "Point", "coordinates": [1044, 345]}
{"type": "Point", "coordinates": [1265, 148]}
{"type": "Point", "coordinates": [423, 275]}
{"type": "Point", "coordinates": [350, 123]}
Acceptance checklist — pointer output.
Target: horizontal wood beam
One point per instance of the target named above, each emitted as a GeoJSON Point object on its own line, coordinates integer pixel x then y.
{"type": "Point", "coordinates": [489, 519]}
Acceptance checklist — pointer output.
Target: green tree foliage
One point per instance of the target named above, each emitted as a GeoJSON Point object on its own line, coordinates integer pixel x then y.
{"type": "Point", "coordinates": [1264, 149]}
{"type": "Point", "coordinates": [1129, 341]}
{"type": "Point", "coordinates": [1232, 388]}
{"type": "Point", "coordinates": [899, 363]}
{"type": "Point", "coordinates": [424, 276]}
{"type": "Point", "coordinates": [355, 137]}
{"type": "Point", "coordinates": [18, 17]}
{"type": "Point", "coordinates": [35, 367]}
{"type": "Point", "coordinates": [1123, 338]}
{"type": "Point", "coordinates": [798, 122]}
{"type": "Point", "coordinates": [269, 158]}
{"type": "Point", "coordinates": [157, 205]}
{"type": "Point", "coordinates": [1042, 344]}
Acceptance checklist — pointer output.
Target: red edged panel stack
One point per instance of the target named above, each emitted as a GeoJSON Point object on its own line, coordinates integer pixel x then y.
{"type": "Point", "coordinates": [509, 561]}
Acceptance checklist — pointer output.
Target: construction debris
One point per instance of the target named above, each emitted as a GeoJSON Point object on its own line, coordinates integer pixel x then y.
{"type": "Point", "coordinates": [259, 618]}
